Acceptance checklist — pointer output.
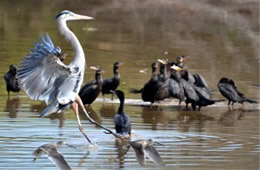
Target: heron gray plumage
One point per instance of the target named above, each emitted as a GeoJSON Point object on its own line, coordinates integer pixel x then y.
{"type": "Point", "coordinates": [45, 77]}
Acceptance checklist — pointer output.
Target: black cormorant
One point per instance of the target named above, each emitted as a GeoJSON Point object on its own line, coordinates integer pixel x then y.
{"type": "Point", "coordinates": [169, 87]}
{"type": "Point", "coordinates": [229, 90]}
{"type": "Point", "coordinates": [122, 120]}
{"type": "Point", "coordinates": [150, 88]}
{"type": "Point", "coordinates": [11, 80]}
{"type": "Point", "coordinates": [112, 83]}
{"type": "Point", "coordinates": [197, 93]}
{"type": "Point", "coordinates": [89, 92]}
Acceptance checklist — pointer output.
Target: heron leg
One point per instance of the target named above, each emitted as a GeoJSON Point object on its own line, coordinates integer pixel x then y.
{"type": "Point", "coordinates": [76, 110]}
{"type": "Point", "coordinates": [79, 101]}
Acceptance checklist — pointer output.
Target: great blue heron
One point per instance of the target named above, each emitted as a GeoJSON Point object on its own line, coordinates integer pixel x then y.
{"type": "Point", "coordinates": [44, 77]}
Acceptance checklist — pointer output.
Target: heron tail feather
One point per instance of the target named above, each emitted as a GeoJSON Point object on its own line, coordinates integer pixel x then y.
{"type": "Point", "coordinates": [52, 108]}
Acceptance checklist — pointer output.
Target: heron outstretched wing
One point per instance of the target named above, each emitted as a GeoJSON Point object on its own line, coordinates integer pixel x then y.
{"type": "Point", "coordinates": [41, 72]}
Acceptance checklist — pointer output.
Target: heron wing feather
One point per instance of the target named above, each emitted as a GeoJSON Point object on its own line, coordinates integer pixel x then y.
{"type": "Point", "coordinates": [41, 72]}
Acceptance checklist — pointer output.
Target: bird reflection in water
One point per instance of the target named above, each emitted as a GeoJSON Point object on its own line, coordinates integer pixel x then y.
{"type": "Point", "coordinates": [55, 116]}
{"type": "Point", "coordinates": [51, 151]}
{"type": "Point", "coordinates": [188, 119]}
{"type": "Point", "coordinates": [229, 117]}
{"type": "Point", "coordinates": [93, 114]}
{"type": "Point", "coordinates": [122, 148]}
{"type": "Point", "coordinates": [107, 111]}
{"type": "Point", "coordinates": [82, 161]}
{"type": "Point", "coordinates": [142, 149]}
{"type": "Point", "coordinates": [154, 116]}
{"type": "Point", "coordinates": [11, 106]}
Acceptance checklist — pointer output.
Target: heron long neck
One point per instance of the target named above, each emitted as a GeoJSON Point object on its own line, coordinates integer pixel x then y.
{"type": "Point", "coordinates": [79, 59]}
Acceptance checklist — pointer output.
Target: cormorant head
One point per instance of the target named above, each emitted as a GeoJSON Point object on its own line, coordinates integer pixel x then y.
{"type": "Point", "coordinates": [154, 65]}
{"type": "Point", "coordinates": [12, 69]}
{"type": "Point", "coordinates": [68, 15]}
{"type": "Point", "coordinates": [226, 80]}
{"type": "Point", "coordinates": [117, 64]}
{"type": "Point", "coordinates": [120, 94]}
{"type": "Point", "coordinates": [98, 69]}
{"type": "Point", "coordinates": [180, 59]}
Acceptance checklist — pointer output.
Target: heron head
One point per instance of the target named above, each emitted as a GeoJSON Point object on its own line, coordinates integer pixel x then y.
{"type": "Point", "coordinates": [68, 16]}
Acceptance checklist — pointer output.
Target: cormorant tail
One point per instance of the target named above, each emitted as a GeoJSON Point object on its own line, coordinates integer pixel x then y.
{"type": "Point", "coordinates": [219, 100]}
{"type": "Point", "coordinates": [250, 101]}
{"type": "Point", "coordinates": [132, 90]}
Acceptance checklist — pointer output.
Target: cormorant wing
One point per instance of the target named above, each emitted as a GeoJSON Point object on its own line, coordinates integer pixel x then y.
{"type": "Point", "coordinates": [200, 81]}
{"type": "Point", "coordinates": [107, 81]}
{"type": "Point", "coordinates": [87, 89]}
{"type": "Point", "coordinates": [189, 90]}
{"type": "Point", "coordinates": [90, 83]}
{"type": "Point", "coordinates": [153, 155]}
{"type": "Point", "coordinates": [232, 83]}
{"type": "Point", "coordinates": [41, 72]}
{"type": "Point", "coordinates": [229, 90]}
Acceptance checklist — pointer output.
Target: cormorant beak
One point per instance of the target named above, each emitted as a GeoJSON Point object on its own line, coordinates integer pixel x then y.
{"type": "Point", "coordinates": [177, 68]}
{"type": "Point", "coordinates": [97, 68]}
{"type": "Point", "coordinates": [120, 63]}
{"type": "Point", "coordinates": [162, 61]}
{"type": "Point", "coordinates": [186, 57]}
